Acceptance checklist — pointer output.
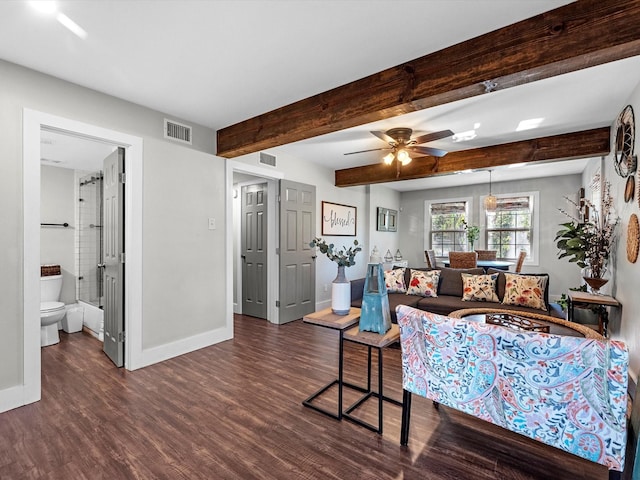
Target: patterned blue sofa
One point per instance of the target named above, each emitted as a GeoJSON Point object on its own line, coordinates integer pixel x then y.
{"type": "Point", "coordinates": [567, 392]}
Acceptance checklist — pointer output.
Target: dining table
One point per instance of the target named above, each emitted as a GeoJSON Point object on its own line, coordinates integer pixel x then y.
{"type": "Point", "coordinates": [486, 264]}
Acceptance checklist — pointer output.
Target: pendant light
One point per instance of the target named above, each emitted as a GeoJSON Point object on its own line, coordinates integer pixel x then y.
{"type": "Point", "coordinates": [490, 201]}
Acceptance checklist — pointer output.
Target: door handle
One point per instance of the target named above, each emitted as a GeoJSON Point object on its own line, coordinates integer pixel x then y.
{"type": "Point", "coordinates": [244, 257]}
{"type": "Point", "coordinates": [101, 265]}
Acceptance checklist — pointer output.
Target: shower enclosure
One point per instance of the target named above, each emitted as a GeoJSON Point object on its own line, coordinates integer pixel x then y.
{"type": "Point", "coordinates": [90, 264]}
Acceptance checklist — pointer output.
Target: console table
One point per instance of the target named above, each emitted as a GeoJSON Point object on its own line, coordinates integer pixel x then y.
{"type": "Point", "coordinates": [327, 319]}
{"type": "Point", "coordinates": [600, 302]}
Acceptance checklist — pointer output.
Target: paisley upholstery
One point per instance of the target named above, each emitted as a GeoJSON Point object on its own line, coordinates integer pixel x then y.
{"type": "Point", "coordinates": [567, 392]}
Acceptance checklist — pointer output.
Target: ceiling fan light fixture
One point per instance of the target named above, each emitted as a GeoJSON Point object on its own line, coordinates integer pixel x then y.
{"type": "Point", "coordinates": [388, 158]}
{"type": "Point", "coordinates": [403, 157]}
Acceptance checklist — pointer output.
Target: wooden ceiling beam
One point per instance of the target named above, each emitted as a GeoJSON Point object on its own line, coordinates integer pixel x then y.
{"type": "Point", "coordinates": [583, 144]}
{"type": "Point", "coordinates": [575, 36]}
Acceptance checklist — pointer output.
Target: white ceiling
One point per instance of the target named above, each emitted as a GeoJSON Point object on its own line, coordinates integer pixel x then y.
{"type": "Point", "coordinates": [220, 62]}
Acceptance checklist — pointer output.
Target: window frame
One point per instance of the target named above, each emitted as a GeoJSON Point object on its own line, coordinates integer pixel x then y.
{"type": "Point", "coordinates": [534, 256]}
{"type": "Point", "coordinates": [427, 218]}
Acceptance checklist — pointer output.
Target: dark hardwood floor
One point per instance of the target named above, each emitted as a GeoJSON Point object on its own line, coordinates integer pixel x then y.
{"type": "Point", "coordinates": [233, 411]}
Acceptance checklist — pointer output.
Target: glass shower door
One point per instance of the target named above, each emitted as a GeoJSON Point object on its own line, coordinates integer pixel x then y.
{"type": "Point", "coordinates": [90, 240]}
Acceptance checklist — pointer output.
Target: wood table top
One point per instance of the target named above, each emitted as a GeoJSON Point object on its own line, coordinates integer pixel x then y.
{"type": "Point", "coordinates": [584, 297]}
{"type": "Point", "coordinates": [373, 339]}
{"type": "Point", "coordinates": [326, 318]}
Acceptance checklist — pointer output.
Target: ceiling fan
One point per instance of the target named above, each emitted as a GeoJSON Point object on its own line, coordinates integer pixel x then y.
{"type": "Point", "coordinates": [402, 145]}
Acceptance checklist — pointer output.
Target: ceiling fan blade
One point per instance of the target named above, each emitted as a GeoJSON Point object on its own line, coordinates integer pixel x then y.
{"type": "Point", "coordinates": [371, 150]}
{"type": "Point", "coordinates": [431, 137]}
{"type": "Point", "coordinates": [383, 136]}
{"type": "Point", "coordinates": [434, 152]}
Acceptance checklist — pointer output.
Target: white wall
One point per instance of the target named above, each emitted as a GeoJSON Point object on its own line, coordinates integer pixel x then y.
{"type": "Point", "coordinates": [552, 191]}
{"type": "Point", "coordinates": [170, 247]}
{"type": "Point", "coordinates": [183, 261]}
{"type": "Point", "coordinates": [57, 244]}
{"type": "Point", "coordinates": [380, 196]}
{"type": "Point", "coordinates": [624, 322]}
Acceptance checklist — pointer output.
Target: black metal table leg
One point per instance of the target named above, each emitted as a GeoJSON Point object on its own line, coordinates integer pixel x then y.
{"type": "Point", "coordinates": [339, 382]}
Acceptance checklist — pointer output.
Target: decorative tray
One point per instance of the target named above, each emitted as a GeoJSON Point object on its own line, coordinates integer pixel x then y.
{"type": "Point", "coordinates": [516, 322]}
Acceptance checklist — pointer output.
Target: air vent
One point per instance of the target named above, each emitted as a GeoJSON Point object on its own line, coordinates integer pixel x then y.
{"type": "Point", "coordinates": [267, 159]}
{"type": "Point", "coordinates": [177, 131]}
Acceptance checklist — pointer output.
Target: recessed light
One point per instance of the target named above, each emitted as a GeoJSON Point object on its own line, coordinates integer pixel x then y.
{"type": "Point", "coordinates": [464, 136]}
{"type": "Point", "coordinates": [529, 124]}
{"type": "Point", "coordinates": [44, 6]}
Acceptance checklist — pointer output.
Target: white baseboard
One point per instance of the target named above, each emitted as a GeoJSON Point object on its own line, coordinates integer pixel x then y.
{"type": "Point", "coordinates": [180, 347]}
{"type": "Point", "coordinates": [14, 397]}
{"type": "Point", "coordinates": [323, 304]}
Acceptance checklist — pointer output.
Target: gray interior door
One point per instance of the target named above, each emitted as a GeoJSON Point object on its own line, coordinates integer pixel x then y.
{"type": "Point", "coordinates": [113, 255]}
{"type": "Point", "coordinates": [297, 259]}
{"type": "Point", "coordinates": [254, 250]}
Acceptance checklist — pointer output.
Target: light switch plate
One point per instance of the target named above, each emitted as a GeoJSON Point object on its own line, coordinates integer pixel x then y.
{"type": "Point", "coordinates": [212, 223]}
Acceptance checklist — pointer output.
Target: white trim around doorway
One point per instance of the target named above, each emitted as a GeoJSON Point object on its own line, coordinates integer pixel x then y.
{"type": "Point", "coordinates": [272, 178]}
{"type": "Point", "coordinates": [33, 122]}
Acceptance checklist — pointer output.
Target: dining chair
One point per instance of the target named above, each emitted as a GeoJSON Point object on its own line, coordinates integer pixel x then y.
{"type": "Point", "coordinates": [463, 259]}
{"type": "Point", "coordinates": [430, 258]}
{"type": "Point", "coordinates": [487, 254]}
{"type": "Point", "coordinates": [520, 262]}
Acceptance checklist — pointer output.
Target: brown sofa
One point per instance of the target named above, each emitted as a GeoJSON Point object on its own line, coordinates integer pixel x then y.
{"type": "Point", "coordinates": [449, 294]}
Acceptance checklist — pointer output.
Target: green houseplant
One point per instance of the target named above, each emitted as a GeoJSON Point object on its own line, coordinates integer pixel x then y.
{"type": "Point", "coordinates": [340, 287]}
{"type": "Point", "coordinates": [588, 242]}
{"type": "Point", "coordinates": [472, 232]}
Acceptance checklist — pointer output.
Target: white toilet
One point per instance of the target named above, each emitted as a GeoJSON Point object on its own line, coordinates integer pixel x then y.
{"type": "Point", "coordinates": [51, 310]}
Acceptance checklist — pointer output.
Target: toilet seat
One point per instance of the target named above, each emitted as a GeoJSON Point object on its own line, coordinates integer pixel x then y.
{"type": "Point", "coordinates": [48, 307]}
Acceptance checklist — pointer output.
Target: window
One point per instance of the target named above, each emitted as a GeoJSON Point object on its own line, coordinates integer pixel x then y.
{"type": "Point", "coordinates": [511, 227]}
{"type": "Point", "coordinates": [444, 225]}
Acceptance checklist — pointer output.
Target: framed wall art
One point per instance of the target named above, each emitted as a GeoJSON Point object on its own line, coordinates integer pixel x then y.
{"type": "Point", "coordinates": [387, 220]}
{"type": "Point", "coordinates": [338, 219]}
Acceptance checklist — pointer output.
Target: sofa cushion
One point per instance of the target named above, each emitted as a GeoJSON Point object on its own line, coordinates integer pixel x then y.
{"type": "Point", "coordinates": [502, 281]}
{"type": "Point", "coordinates": [396, 299]}
{"type": "Point", "coordinates": [451, 280]}
{"type": "Point", "coordinates": [480, 288]}
{"type": "Point", "coordinates": [394, 280]}
{"type": "Point", "coordinates": [445, 304]}
{"type": "Point", "coordinates": [525, 290]}
{"type": "Point", "coordinates": [424, 283]}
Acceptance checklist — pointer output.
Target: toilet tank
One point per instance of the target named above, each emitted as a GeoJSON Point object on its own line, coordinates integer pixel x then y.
{"type": "Point", "coordinates": [50, 288]}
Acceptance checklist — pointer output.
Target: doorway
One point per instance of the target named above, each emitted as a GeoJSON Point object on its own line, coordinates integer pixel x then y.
{"type": "Point", "coordinates": [298, 297]}
{"type": "Point", "coordinates": [33, 122]}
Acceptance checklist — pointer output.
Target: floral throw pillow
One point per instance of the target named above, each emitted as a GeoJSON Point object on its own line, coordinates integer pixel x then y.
{"type": "Point", "coordinates": [479, 288]}
{"type": "Point", "coordinates": [424, 283]}
{"type": "Point", "coordinates": [525, 290]}
{"type": "Point", "coordinates": [394, 280]}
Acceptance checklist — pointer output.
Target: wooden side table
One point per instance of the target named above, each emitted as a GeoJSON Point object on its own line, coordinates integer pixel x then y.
{"type": "Point", "coordinates": [377, 341]}
{"type": "Point", "coordinates": [584, 299]}
{"type": "Point", "coordinates": [327, 319]}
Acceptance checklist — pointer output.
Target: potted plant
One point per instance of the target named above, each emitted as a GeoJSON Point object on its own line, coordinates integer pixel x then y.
{"type": "Point", "coordinates": [588, 242]}
{"type": "Point", "coordinates": [472, 231]}
{"type": "Point", "coordinates": [341, 287]}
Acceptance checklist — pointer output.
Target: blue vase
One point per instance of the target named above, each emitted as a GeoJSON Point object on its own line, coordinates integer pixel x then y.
{"type": "Point", "coordinates": [375, 315]}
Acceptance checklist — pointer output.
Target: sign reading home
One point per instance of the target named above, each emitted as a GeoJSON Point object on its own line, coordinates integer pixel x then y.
{"type": "Point", "coordinates": [338, 219]}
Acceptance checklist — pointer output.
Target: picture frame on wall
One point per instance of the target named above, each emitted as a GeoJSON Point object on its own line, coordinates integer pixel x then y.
{"type": "Point", "coordinates": [387, 220]}
{"type": "Point", "coordinates": [338, 219]}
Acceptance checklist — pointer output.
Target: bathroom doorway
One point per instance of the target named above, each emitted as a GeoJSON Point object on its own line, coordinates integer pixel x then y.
{"type": "Point", "coordinates": [81, 183]}
{"type": "Point", "coordinates": [34, 122]}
